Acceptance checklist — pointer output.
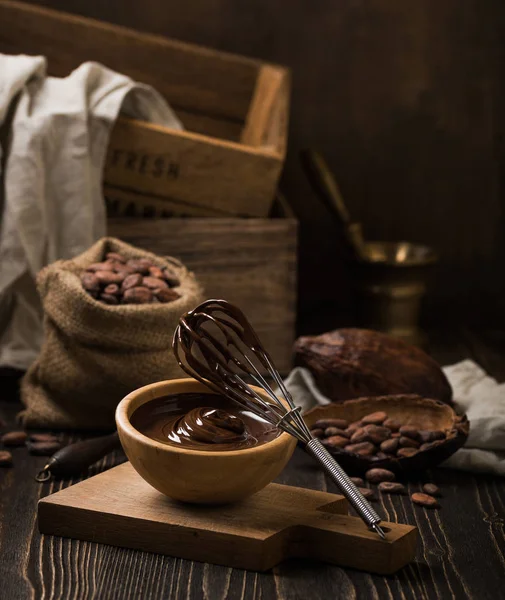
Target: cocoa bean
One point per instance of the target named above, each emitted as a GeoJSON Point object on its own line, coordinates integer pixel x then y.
{"type": "Point", "coordinates": [378, 475]}
{"type": "Point", "coordinates": [381, 456]}
{"type": "Point", "coordinates": [156, 272]}
{"type": "Point", "coordinates": [43, 437]}
{"type": "Point", "coordinates": [90, 282]}
{"type": "Point", "coordinates": [171, 278]}
{"type": "Point", "coordinates": [424, 500]}
{"type": "Point", "coordinates": [336, 441]}
{"type": "Point", "coordinates": [360, 435]}
{"type": "Point", "coordinates": [153, 283]}
{"type": "Point", "coordinates": [430, 445]}
{"type": "Point", "coordinates": [112, 289]}
{"type": "Point", "coordinates": [431, 489]}
{"type": "Point", "coordinates": [43, 448]}
{"type": "Point", "coordinates": [329, 431]}
{"type": "Point", "coordinates": [324, 423]}
{"type": "Point", "coordinates": [108, 277]}
{"type": "Point", "coordinates": [430, 436]}
{"type": "Point", "coordinates": [137, 295]}
{"type": "Point", "coordinates": [103, 266]}
{"type": "Point", "coordinates": [406, 452]}
{"type": "Point", "coordinates": [317, 432]}
{"type": "Point", "coordinates": [115, 256]}
{"type": "Point", "coordinates": [14, 438]}
{"type": "Point", "coordinates": [390, 446]}
{"type": "Point", "coordinates": [377, 434]}
{"type": "Point", "coordinates": [376, 418]}
{"type": "Point", "coordinates": [109, 299]}
{"type": "Point", "coordinates": [5, 458]}
{"type": "Point", "coordinates": [357, 481]}
{"type": "Point", "coordinates": [165, 295]}
{"type": "Point", "coordinates": [362, 449]}
{"type": "Point", "coordinates": [392, 424]}
{"type": "Point", "coordinates": [406, 442]}
{"type": "Point", "coordinates": [141, 265]}
{"type": "Point", "coordinates": [123, 269]}
{"type": "Point", "coordinates": [130, 281]}
{"type": "Point", "coordinates": [410, 431]}
{"type": "Point", "coordinates": [367, 493]}
{"type": "Point", "coordinates": [396, 434]}
{"type": "Point", "coordinates": [390, 487]}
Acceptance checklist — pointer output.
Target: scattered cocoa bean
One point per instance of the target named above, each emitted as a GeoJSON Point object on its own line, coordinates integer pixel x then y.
{"type": "Point", "coordinates": [378, 475]}
{"type": "Point", "coordinates": [390, 446]}
{"type": "Point", "coordinates": [137, 295]}
{"type": "Point", "coordinates": [357, 481]}
{"type": "Point", "coordinates": [406, 442]}
{"type": "Point", "coordinates": [14, 438]}
{"type": "Point", "coordinates": [424, 500]}
{"type": "Point", "coordinates": [362, 449]}
{"type": "Point", "coordinates": [367, 493]}
{"type": "Point", "coordinates": [171, 278]}
{"type": "Point", "coordinates": [338, 423]}
{"type": "Point", "coordinates": [165, 295]}
{"type": "Point", "coordinates": [390, 487]}
{"type": "Point", "coordinates": [153, 283]}
{"type": "Point", "coordinates": [431, 489]}
{"type": "Point", "coordinates": [109, 299]}
{"type": "Point", "coordinates": [392, 424]}
{"type": "Point", "coordinates": [410, 431]}
{"type": "Point", "coordinates": [112, 289]}
{"type": "Point", "coordinates": [329, 431]}
{"type": "Point", "coordinates": [108, 277]}
{"type": "Point", "coordinates": [376, 418]}
{"type": "Point", "coordinates": [337, 441]}
{"type": "Point", "coordinates": [430, 436]}
{"type": "Point", "coordinates": [115, 256]}
{"type": "Point", "coordinates": [317, 432]}
{"type": "Point", "coordinates": [44, 437]}
{"type": "Point", "coordinates": [156, 272]}
{"type": "Point", "coordinates": [5, 458]}
{"type": "Point", "coordinates": [43, 448]}
{"type": "Point", "coordinates": [430, 445]}
{"type": "Point", "coordinates": [406, 452]}
{"type": "Point", "coordinates": [90, 282]}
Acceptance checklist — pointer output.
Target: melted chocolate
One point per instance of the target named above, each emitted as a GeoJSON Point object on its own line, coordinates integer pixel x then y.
{"type": "Point", "coordinates": [202, 422]}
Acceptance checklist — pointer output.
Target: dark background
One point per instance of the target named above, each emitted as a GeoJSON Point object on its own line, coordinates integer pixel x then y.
{"type": "Point", "coordinates": [406, 100]}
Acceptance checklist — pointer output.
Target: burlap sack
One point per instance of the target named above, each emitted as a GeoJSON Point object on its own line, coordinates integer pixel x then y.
{"type": "Point", "coordinates": [94, 354]}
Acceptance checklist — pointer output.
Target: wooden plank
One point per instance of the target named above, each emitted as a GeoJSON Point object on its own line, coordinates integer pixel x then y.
{"type": "Point", "coordinates": [204, 171]}
{"type": "Point", "coordinates": [188, 76]}
{"type": "Point", "coordinates": [279, 522]}
{"type": "Point", "coordinates": [250, 262]}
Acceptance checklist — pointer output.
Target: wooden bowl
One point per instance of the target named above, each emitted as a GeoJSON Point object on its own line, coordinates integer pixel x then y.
{"type": "Point", "coordinates": [201, 477]}
{"type": "Point", "coordinates": [408, 409]}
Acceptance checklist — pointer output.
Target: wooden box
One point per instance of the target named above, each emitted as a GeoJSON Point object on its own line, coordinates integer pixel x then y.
{"type": "Point", "coordinates": [250, 262]}
{"type": "Point", "coordinates": [235, 110]}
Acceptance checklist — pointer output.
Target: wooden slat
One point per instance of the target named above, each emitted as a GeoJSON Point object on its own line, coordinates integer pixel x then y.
{"type": "Point", "coordinates": [250, 262]}
{"type": "Point", "coordinates": [188, 76]}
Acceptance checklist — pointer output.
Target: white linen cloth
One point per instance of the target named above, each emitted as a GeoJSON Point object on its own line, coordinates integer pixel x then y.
{"type": "Point", "coordinates": [55, 135]}
{"type": "Point", "coordinates": [475, 393]}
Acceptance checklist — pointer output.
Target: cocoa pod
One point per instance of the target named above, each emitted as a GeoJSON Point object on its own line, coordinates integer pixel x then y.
{"type": "Point", "coordinates": [112, 289]}
{"type": "Point", "coordinates": [5, 458]}
{"type": "Point", "coordinates": [108, 277]}
{"type": "Point", "coordinates": [14, 438]}
{"type": "Point", "coordinates": [115, 256]}
{"type": "Point", "coordinates": [90, 282]}
{"type": "Point", "coordinates": [424, 500]}
{"type": "Point", "coordinates": [103, 266]}
{"type": "Point", "coordinates": [431, 489]}
{"type": "Point", "coordinates": [171, 278]}
{"type": "Point", "coordinates": [392, 424]}
{"type": "Point", "coordinates": [153, 283]}
{"type": "Point", "coordinates": [362, 449]}
{"type": "Point", "coordinates": [329, 431]}
{"type": "Point", "coordinates": [367, 493]}
{"type": "Point", "coordinates": [336, 441]}
{"type": "Point", "coordinates": [430, 445]}
{"type": "Point", "coordinates": [141, 265]}
{"type": "Point", "coordinates": [317, 432]}
{"type": "Point", "coordinates": [43, 448]}
{"type": "Point", "coordinates": [357, 481]}
{"type": "Point", "coordinates": [137, 295]}
{"type": "Point", "coordinates": [130, 281]}
{"type": "Point", "coordinates": [409, 431]}
{"type": "Point", "coordinates": [338, 423]}
{"type": "Point", "coordinates": [376, 418]}
{"type": "Point", "coordinates": [406, 452]}
{"type": "Point", "coordinates": [431, 436]}
{"type": "Point", "coordinates": [156, 272]}
{"type": "Point", "coordinates": [390, 487]}
{"type": "Point", "coordinates": [109, 298]}
{"type": "Point", "coordinates": [44, 437]}
{"type": "Point", "coordinates": [166, 295]}
{"type": "Point", "coordinates": [390, 446]}
{"type": "Point", "coordinates": [378, 475]}
{"type": "Point", "coordinates": [406, 442]}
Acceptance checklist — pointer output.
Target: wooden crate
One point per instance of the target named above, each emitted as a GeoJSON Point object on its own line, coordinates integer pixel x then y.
{"type": "Point", "coordinates": [228, 160]}
{"type": "Point", "coordinates": [250, 262]}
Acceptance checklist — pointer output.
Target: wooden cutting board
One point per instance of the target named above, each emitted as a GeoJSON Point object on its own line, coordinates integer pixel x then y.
{"type": "Point", "coordinates": [119, 508]}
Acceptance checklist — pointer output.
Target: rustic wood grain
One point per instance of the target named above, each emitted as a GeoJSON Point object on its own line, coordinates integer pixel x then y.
{"type": "Point", "coordinates": [461, 550]}
{"type": "Point", "coordinates": [249, 262]}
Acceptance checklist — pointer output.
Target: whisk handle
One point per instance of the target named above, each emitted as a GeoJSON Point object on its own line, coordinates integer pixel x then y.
{"type": "Point", "coordinates": [346, 486]}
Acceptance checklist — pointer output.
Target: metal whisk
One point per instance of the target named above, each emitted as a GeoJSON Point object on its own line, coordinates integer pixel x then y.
{"type": "Point", "coordinates": [216, 344]}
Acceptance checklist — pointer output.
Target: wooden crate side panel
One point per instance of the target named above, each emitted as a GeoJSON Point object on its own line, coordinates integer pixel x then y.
{"type": "Point", "coordinates": [194, 169]}
{"type": "Point", "coordinates": [250, 262]}
{"type": "Point", "coordinates": [195, 78]}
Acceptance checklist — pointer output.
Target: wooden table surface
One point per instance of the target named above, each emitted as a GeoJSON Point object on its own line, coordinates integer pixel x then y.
{"type": "Point", "coordinates": [461, 551]}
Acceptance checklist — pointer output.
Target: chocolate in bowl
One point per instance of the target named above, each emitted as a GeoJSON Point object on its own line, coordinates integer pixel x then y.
{"type": "Point", "coordinates": [208, 422]}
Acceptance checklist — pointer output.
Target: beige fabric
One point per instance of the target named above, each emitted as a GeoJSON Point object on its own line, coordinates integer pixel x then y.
{"type": "Point", "coordinates": [94, 354]}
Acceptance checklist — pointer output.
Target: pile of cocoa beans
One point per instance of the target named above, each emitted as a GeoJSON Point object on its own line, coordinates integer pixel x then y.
{"type": "Point", "coordinates": [376, 437]}
{"type": "Point", "coordinates": [38, 444]}
{"type": "Point", "coordinates": [387, 484]}
{"type": "Point", "coordinates": [118, 280]}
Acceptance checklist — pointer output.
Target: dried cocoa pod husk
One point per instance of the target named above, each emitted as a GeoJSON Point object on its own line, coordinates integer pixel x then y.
{"type": "Point", "coordinates": [137, 295]}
